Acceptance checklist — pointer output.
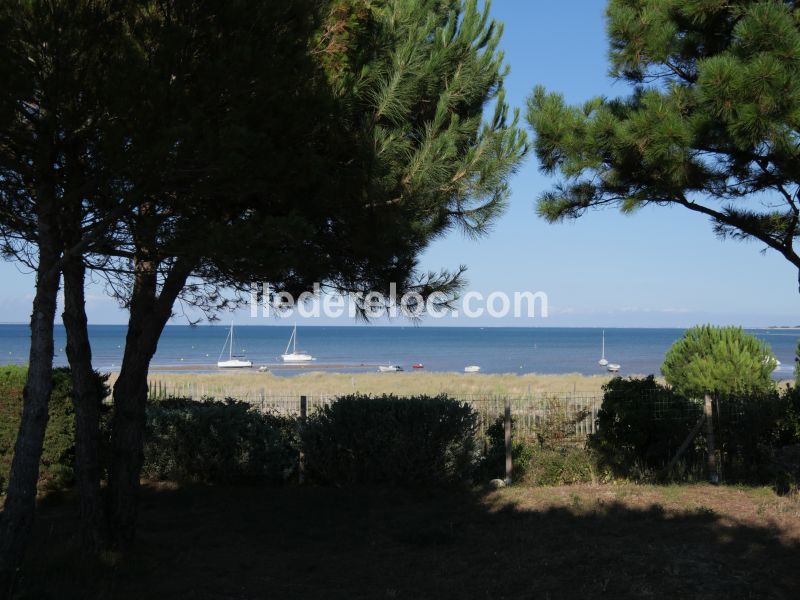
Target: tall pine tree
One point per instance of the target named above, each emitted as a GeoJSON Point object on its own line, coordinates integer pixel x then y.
{"type": "Point", "coordinates": [379, 149]}
{"type": "Point", "coordinates": [295, 142]}
{"type": "Point", "coordinates": [58, 64]}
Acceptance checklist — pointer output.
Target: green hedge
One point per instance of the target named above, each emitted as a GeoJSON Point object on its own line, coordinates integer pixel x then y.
{"type": "Point", "coordinates": [419, 442]}
{"type": "Point", "coordinates": [58, 456]}
{"type": "Point", "coordinates": [426, 441]}
{"type": "Point", "coordinates": [641, 425]}
{"type": "Point", "coordinates": [750, 431]}
{"type": "Point", "coordinates": [218, 442]}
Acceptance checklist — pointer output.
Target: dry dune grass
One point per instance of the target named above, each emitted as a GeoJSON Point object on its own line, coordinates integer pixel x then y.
{"type": "Point", "coordinates": [252, 384]}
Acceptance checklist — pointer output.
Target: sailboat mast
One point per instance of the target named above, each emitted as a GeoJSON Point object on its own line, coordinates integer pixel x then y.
{"type": "Point", "coordinates": [604, 344]}
{"type": "Point", "coordinates": [230, 350]}
{"type": "Point", "coordinates": [291, 339]}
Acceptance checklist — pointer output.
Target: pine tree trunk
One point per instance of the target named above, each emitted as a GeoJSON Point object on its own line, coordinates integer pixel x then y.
{"type": "Point", "coordinates": [711, 446]}
{"type": "Point", "coordinates": [20, 504]}
{"type": "Point", "coordinates": [127, 447]}
{"type": "Point", "coordinates": [86, 397]}
{"type": "Point", "coordinates": [149, 313]}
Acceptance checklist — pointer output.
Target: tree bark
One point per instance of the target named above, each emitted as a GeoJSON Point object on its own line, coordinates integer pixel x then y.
{"type": "Point", "coordinates": [86, 393]}
{"type": "Point", "coordinates": [149, 313]}
{"type": "Point", "coordinates": [20, 505]}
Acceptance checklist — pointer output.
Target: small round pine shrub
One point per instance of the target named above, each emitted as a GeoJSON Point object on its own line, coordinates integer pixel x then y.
{"type": "Point", "coordinates": [723, 360]}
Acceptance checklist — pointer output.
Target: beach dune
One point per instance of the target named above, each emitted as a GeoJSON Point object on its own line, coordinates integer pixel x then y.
{"type": "Point", "coordinates": [249, 384]}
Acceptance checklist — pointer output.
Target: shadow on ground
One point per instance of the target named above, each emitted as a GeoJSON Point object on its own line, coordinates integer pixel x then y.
{"type": "Point", "coordinates": [243, 543]}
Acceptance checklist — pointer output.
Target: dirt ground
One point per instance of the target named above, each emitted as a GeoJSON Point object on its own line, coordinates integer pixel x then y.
{"type": "Point", "coordinates": [612, 541]}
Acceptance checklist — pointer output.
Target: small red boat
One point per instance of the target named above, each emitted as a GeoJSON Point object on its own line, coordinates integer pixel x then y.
{"type": "Point", "coordinates": [417, 366]}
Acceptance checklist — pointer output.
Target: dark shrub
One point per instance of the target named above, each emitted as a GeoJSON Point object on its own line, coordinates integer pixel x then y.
{"type": "Point", "coordinates": [58, 454]}
{"type": "Point", "coordinates": [785, 463]}
{"type": "Point", "coordinates": [640, 426]}
{"type": "Point", "coordinates": [790, 432]}
{"type": "Point", "coordinates": [749, 431]}
{"type": "Point", "coordinates": [213, 441]}
{"type": "Point", "coordinates": [419, 441]}
{"type": "Point", "coordinates": [786, 468]}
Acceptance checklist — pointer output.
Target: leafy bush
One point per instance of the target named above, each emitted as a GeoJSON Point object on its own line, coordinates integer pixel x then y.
{"type": "Point", "coordinates": [419, 441]}
{"type": "Point", "coordinates": [218, 442]}
{"type": "Point", "coordinates": [749, 431]}
{"type": "Point", "coordinates": [493, 463]}
{"type": "Point", "coordinates": [786, 469]}
{"type": "Point", "coordinates": [58, 455]}
{"type": "Point", "coordinates": [797, 365]}
{"type": "Point", "coordinates": [564, 465]}
{"type": "Point", "coordinates": [640, 426]}
{"type": "Point", "coordinates": [544, 460]}
{"type": "Point", "coordinates": [791, 423]}
{"type": "Point", "coordinates": [719, 359]}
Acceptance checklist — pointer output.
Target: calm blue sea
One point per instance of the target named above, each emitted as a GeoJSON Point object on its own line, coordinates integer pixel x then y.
{"type": "Point", "coordinates": [496, 350]}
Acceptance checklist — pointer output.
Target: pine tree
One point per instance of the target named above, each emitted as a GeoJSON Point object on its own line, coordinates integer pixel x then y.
{"type": "Point", "coordinates": [711, 125]}
{"type": "Point", "coordinates": [722, 360]}
{"type": "Point", "coordinates": [58, 60]}
{"type": "Point", "coordinates": [337, 161]}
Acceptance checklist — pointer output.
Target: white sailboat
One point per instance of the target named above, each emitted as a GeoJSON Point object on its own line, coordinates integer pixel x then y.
{"type": "Point", "coordinates": [472, 369]}
{"type": "Point", "coordinates": [390, 369]}
{"type": "Point", "coordinates": [613, 368]}
{"type": "Point", "coordinates": [603, 362]}
{"type": "Point", "coordinates": [294, 356]}
{"type": "Point", "coordinates": [232, 363]}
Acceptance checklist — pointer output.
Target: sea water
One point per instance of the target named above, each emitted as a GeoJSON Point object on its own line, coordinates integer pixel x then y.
{"type": "Point", "coordinates": [361, 348]}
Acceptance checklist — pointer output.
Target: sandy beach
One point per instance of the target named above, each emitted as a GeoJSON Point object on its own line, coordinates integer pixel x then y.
{"type": "Point", "coordinates": [248, 384]}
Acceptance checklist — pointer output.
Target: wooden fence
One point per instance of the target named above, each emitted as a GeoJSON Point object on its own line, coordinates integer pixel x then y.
{"type": "Point", "coordinates": [572, 416]}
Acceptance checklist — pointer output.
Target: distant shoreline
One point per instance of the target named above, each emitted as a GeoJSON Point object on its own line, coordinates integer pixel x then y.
{"type": "Point", "coordinates": [212, 369]}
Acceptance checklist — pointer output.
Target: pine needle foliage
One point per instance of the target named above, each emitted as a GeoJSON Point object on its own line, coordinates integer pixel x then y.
{"type": "Point", "coordinates": [723, 360]}
{"type": "Point", "coordinates": [711, 124]}
{"type": "Point", "coordinates": [419, 75]}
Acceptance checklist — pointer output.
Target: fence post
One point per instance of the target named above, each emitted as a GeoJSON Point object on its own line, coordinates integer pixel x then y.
{"type": "Point", "coordinates": [708, 411]}
{"type": "Point", "coordinates": [509, 459]}
{"type": "Point", "coordinates": [301, 464]}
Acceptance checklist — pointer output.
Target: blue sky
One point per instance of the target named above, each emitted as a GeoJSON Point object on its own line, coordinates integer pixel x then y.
{"type": "Point", "coordinates": [661, 267]}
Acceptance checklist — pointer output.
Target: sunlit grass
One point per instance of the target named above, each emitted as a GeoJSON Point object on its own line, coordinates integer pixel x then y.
{"type": "Point", "coordinates": [253, 384]}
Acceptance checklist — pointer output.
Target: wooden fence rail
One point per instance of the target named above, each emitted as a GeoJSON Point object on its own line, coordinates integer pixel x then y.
{"type": "Point", "coordinates": [570, 415]}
